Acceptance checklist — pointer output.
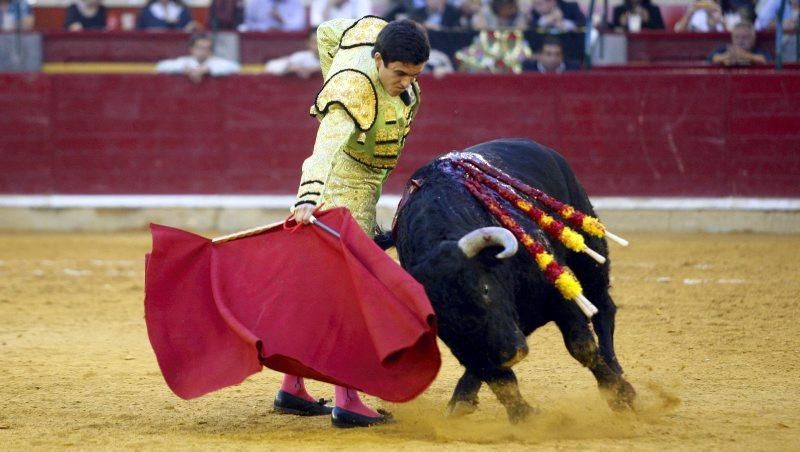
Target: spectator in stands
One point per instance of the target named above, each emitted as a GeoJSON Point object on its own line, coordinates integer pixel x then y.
{"type": "Point", "coordinates": [742, 50]}
{"type": "Point", "coordinates": [85, 15]}
{"type": "Point", "coordinates": [200, 63]}
{"type": "Point", "coordinates": [278, 15]}
{"type": "Point", "coordinates": [556, 15]}
{"type": "Point", "coordinates": [769, 12]}
{"type": "Point", "coordinates": [550, 59]}
{"type": "Point", "coordinates": [325, 10]}
{"type": "Point", "coordinates": [645, 14]}
{"type": "Point", "coordinates": [225, 14]}
{"type": "Point", "coordinates": [495, 51]}
{"type": "Point", "coordinates": [436, 15]}
{"type": "Point", "coordinates": [499, 14]}
{"type": "Point", "coordinates": [469, 11]}
{"type": "Point", "coordinates": [702, 16]}
{"type": "Point", "coordinates": [438, 64]}
{"type": "Point", "coordinates": [303, 63]}
{"type": "Point", "coordinates": [165, 15]}
{"type": "Point", "coordinates": [398, 10]}
{"type": "Point", "coordinates": [15, 13]}
{"type": "Point", "coordinates": [735, 11]}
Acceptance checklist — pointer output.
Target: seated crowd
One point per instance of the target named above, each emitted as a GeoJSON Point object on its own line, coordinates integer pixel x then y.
{"type": "Point", "coordinates": [293, 15]}
{"type": "Point", "coordinates": [499, 47]}
{"type": "Point", "coordinates": [297, 15]}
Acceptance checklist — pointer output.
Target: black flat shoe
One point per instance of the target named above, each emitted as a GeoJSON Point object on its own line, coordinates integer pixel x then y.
{"type": "Point", "coordinates": [286, 403]}
{"type": "Point", "coordinates": [342, 418]}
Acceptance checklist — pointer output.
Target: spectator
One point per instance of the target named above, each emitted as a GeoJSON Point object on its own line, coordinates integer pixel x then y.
{"type": "Point", "coordinates": [225, 14]}
{"type": "Point", "coordinates": [500, 14]}
{"type": "Point", "coordinates": [550, 59]}
{"type": "Point", "coordinates": [85, 15]}
{"type": "Point", "coordinates": [556, 15]}
{"type": "Point", "coordinates": [165, 15]}
{"type": "Point", "coordinates": [769, 12]}
{"type": "Point", "coordinates": [303, 63]}
{"type": "Point", "coordinates": [13, 11]}
{"type": "Point", "coordinates": [325, 10]}
{"type": "Point", "coordinates": [438, 64]}
{"type": "Point", "coordinates": [280, 15]}
{"type": "Point", "coordinates": [436, 15]}
{"type": "Point", "coordinates": [469, 11]}
{"type": "Point", "coordinates": [649, 16]}
{"type": "Point", "coordinates": [495, 52]}
{"type": "Point", "coordinates": [200, 63]}
{"type": "Point", "coordinates": [735, 11]}
{"type": "Point", "coordinates": [742, 50]}
{"type": "Point", "coordinates": [398, 9]}
{"type": "Point", "coordinates": [702, 16]}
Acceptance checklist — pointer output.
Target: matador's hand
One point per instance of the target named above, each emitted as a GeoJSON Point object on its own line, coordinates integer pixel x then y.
{"type": "Point", "coordinates": [303, 213]}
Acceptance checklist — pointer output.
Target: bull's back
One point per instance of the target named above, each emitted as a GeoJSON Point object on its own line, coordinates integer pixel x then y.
{"type": "Point", "coordinates": [443, 207]}
{"type": "Point", "coordinates": [530, 162]}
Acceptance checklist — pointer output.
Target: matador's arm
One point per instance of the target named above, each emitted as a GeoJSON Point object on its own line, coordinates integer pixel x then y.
{"type": "Point", "coordinates": [334, 131]}
{"type": "Point", "coordinates": [328, 35]}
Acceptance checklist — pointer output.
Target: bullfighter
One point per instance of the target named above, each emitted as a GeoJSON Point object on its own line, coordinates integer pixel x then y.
{"type": "Point", "coordinates": [367, 103]}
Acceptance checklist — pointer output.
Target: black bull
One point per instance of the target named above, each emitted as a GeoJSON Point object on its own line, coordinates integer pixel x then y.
{"type": "Point", "coordinates": [487, 306]}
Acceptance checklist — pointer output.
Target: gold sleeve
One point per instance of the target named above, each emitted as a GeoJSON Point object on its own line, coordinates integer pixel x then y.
{"type": "Point", "coordinates": [334, 131]}
{"type": "Point", "coordinates": [328, 36]}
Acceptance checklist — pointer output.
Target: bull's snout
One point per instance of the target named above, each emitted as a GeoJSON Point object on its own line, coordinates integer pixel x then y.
{"type": "Point", "coordinates": [519, 355]}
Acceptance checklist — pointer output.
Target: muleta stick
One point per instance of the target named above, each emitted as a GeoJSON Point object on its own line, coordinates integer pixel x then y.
{"type": "Point", "coordinates": [559, 276]}
{"type": "Point", "coordinates": [246, 233]}
{"type": "Point", "coordinates": [574, 217]}
{"type": "Point", "coordinates": [259, 229]}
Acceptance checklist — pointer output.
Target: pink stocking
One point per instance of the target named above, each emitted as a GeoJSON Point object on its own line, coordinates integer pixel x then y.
{"type": "Point", "coordinates": [349, 400]}
{"type": "Point", "coordinates": [296, 387]}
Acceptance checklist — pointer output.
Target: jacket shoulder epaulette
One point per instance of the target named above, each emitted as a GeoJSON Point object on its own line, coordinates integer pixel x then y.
{"type": "Point", "coordinates": [362, 33]}
{"type": "Point", "coordinates": [352, 90]}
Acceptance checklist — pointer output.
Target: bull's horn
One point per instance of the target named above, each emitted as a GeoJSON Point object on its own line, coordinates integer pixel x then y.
{"type": "Point", "coordinates": [472, 243]}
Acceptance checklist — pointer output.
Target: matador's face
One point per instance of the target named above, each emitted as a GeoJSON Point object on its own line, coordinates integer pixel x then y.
{"type": "Point", "coordinates": [397, 76]}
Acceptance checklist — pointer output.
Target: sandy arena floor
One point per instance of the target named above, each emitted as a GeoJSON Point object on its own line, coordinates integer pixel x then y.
{"type": "Point", "coordinates": [706, 330]}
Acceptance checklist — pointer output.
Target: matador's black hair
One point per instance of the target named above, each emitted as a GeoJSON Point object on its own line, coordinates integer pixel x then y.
{"type": "Point", "coordinates": [404, 41]}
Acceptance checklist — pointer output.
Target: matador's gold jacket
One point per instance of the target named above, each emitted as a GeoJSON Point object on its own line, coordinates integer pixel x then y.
{"type": "Point", "coordinates": [358, 118]}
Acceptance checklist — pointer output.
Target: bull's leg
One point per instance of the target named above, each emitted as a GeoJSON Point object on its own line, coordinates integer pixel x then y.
{"type": "Point", "coordinates": [465, 396]}
{"type": "Point", "coordinates": [595, 282]}
{"type": "Point", "coordinates": [582, 346]}
{"type": "Point", "coordinates": [504, 385]}
{"type": "Point", "coordinates": [603, 323]}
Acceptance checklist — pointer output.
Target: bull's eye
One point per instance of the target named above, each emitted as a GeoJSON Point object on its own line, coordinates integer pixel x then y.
{"type": "Point", "coordinates": [485, 293]}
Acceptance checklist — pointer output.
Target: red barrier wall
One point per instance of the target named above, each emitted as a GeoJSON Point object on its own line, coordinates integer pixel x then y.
{"type": "Point", "coordinates": [138, 46]}
{"type": "Point", "coordinates": [52, 18]}
{"type": "Point", "coordinates": [113, 46]}
{"type": "Point", "coordinates": [659, 47]}
{"type": "Point", "coordinates": [692, 133]}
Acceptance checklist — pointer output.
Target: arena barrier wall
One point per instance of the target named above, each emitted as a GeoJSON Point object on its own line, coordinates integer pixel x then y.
{"type": "Point", "coordinates": [686, 134]}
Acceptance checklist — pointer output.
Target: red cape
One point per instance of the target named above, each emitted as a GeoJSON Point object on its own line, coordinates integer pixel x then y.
{"type": "Point", "coordinates": [302, 302]}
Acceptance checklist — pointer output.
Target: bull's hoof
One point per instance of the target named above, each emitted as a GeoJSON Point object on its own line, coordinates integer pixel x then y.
{"type": "Point", "coordinates": [620, 396]}
{"type": "Point", "coordinates": [461, 408]}
{"type": "Point", "coordinates": [520, 412]}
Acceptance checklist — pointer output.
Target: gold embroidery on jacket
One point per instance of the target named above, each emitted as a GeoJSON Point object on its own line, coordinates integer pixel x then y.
{"type": "Point", "coordinates": [354, 91]}
{"type": "Point", "coordinates": [362, 33]}
{"type": "Point", "coordinates": [386, 135]}
{"type": "Point", "coordinates": [391, 149]}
